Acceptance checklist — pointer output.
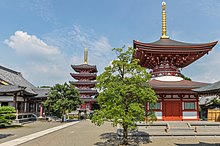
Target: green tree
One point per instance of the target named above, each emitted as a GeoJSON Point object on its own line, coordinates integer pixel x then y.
{"type": "Point", "coordinates": [185, 77]}
{"type": "Point", "coordinates": [62, 99]}
{"type": "Point", "coordinates": [7, 115]}
{"type": "Point", "coordinates": [124, 91]}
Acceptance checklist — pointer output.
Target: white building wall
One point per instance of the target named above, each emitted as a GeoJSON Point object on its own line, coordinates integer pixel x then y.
{"type": "Point", "coordinates": [190, 115]}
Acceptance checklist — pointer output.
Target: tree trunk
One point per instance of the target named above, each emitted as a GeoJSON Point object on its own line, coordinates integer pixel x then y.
{"type": "Point", "coordinates": [62, 120]}
{"type": "Point", "coordinates": [125, 134]}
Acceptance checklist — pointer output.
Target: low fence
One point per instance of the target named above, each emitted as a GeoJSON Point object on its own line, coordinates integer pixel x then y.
{"type": "Point", "coordinates": [25, 117]}
{"type": "Point", "coordinates": [214, 115]}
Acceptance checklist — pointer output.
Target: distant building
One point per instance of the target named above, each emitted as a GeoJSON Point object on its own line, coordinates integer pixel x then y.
{"type": "Point", "coordinates": [16, 91]}
{"type": "Point", "coordinates": [209, 94]}
{"type": "Point", "coordinates": [165, 58]}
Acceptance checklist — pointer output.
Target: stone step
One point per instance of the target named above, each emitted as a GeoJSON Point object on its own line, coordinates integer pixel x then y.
{"type": "Point", "coordinates": [180, 125]}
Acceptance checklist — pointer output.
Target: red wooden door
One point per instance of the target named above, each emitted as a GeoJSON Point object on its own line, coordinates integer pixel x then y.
{"type": "Point", "coordinates": [172, 111]}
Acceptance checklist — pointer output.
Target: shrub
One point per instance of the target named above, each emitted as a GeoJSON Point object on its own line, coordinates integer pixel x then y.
{"type": "Point", "coordinates": [7, 115]}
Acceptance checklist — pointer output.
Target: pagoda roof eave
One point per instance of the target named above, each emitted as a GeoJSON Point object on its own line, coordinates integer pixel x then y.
{"type": "Point", "coordinates": [81, 75]}
{"type": "Point", "coordinates": [80, 82]}
{"type": "Point", "coordinates": [80, 67]}
{"type": "Point", "coordinates": [172, 44]}
{"type": "Point", "coordinates": [82, 91]}
{"type": "Point", "coordinates": [175, 85]}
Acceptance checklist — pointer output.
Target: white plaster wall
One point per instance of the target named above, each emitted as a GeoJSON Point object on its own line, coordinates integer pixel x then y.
{"type": "Point", "coordinates": [20, 99]}
{"type": "Point", "coordinates": [6, 98]}
{"type": "Point", "coordinates": [10, 98]}
{"type": "Point", "coordinates": [190, 115]}
{"type": "Point", "coordinates": [158, 115]}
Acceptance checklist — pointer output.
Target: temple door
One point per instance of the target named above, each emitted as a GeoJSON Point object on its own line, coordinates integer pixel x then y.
{"type": "Point", "coordinates": [172, 110]}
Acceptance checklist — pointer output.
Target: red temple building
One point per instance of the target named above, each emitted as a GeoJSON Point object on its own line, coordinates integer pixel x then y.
{"type": "Point", "coordinates": [85, 76]}
{"type": "Point", "coordinates": [165, 58]}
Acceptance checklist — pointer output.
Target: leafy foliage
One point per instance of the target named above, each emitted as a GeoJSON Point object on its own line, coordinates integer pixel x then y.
{"type": "Point", "coordinates": [216, 101]}
{"type": "Point", "coordinates": [124, 92]}
{"type": "Point", "coordinates": [186, 78]}
{"type": "Point", "coordinates": [62, 99]}
{"type": "Point", "coordinates": [7, 115]}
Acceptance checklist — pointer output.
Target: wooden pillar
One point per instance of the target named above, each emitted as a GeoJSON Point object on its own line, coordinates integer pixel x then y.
{"type": "Point", "coordinates": [197, 106]}
{"type": "Point", "coordinates": [15, 100]}
{"type": "Point", "coordinates": [181, 106]}
{"type": "Point", "coordinates": [25, 105]}
{"type": "Point", "coordinates": [36, 108]}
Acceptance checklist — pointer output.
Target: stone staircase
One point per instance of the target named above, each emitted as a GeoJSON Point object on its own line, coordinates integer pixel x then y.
{"type": "Point", "coordinates": [179, 127]}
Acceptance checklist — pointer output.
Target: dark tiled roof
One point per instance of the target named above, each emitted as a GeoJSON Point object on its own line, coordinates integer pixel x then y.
{"type": "Point", "coordinates": [14, 89]}
{"type": "Point", "coordinates": [170, 42]}
{"type": "Point", "coordinates": [9, 89]}
{"type": "Point", "coordinates": [18, 83]}
{"type": "Point", "coordinates": [212, 89]}
{"type": "Point", "coordinates": [86, 99]}
{"type": "Point", "coordinates": [80, 67]}
{"type": "Point", "coordinates": [41, 92]}
{"type": "Point", "coordinates": [14, 77]}
{"type": "Point", "coordinates": [83, 75]}
{"type": "Point", "coordinates": [83, 82]}
{"type": "Point", "coordinates": [87, 91]}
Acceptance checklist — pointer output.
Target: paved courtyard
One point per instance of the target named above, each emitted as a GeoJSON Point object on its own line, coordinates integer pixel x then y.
{"type": "Point", "coordinates": [13, 133]}
{"type": "Point", "coordinates": [86, 133]}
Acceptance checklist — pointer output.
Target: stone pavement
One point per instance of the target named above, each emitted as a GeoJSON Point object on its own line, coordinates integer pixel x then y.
{"type": "Point", "coordinates": [86, 133]}
{"type": "Point", "coordinates": [8, 134]}
{"type": "Point", "coordinates": [36, 135]}
{"type": "Point", "coordinates": [181, 129]}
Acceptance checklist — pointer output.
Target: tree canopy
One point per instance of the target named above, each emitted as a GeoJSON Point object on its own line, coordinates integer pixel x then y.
{"type": "Point", "coordinates": [124, 91]}
{"type": "Point", "coordinates": [62, 99]}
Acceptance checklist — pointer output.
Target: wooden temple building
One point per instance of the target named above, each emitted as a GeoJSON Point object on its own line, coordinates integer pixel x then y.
{"type": "Point", "coordinates": [16, 91]}
{"type": "Point", "coordinates": [85, 77]}
{"type": "Point", "coordinates": [165, 58]}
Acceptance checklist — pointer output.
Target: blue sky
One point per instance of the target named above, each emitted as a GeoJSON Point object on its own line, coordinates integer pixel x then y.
{"type": "Point", "coordinates": [42, 38]}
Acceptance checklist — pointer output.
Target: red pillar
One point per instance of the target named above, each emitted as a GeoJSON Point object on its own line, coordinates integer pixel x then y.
{"type": "Point", "coordinates": [41, 110]}
{"type": "Point", "coordinates": [197, 106]}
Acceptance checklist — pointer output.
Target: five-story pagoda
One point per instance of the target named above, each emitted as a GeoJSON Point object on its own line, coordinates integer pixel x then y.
{"type": "Point", "coordinates": [85, 76]}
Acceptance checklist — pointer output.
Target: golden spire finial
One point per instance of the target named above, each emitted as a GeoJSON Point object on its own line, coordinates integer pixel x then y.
{"type": "Point", "coordinates": [85, 56]}
{"type": "Point", "coordinates": [164, 27]}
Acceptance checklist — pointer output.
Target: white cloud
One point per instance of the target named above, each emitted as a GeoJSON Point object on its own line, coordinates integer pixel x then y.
{"type": "Point", "coordinates": [27, 44]}
{"type": "Point", "coordinates": [44, 64]}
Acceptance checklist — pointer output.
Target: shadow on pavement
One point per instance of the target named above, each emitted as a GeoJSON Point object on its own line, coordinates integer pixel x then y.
{"type": "Point", "coordinates": [112, 139]}
{"type": "Point", "coordinates": [5, 135]}
{"type": "Point", "coordinates": [199, 144]}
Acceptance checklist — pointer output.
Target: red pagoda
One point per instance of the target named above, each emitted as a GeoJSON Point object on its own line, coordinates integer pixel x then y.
{"type": "Point", "coordinates": [176, 100]}
{"type": "Point", "coordinates": [85, 76]}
